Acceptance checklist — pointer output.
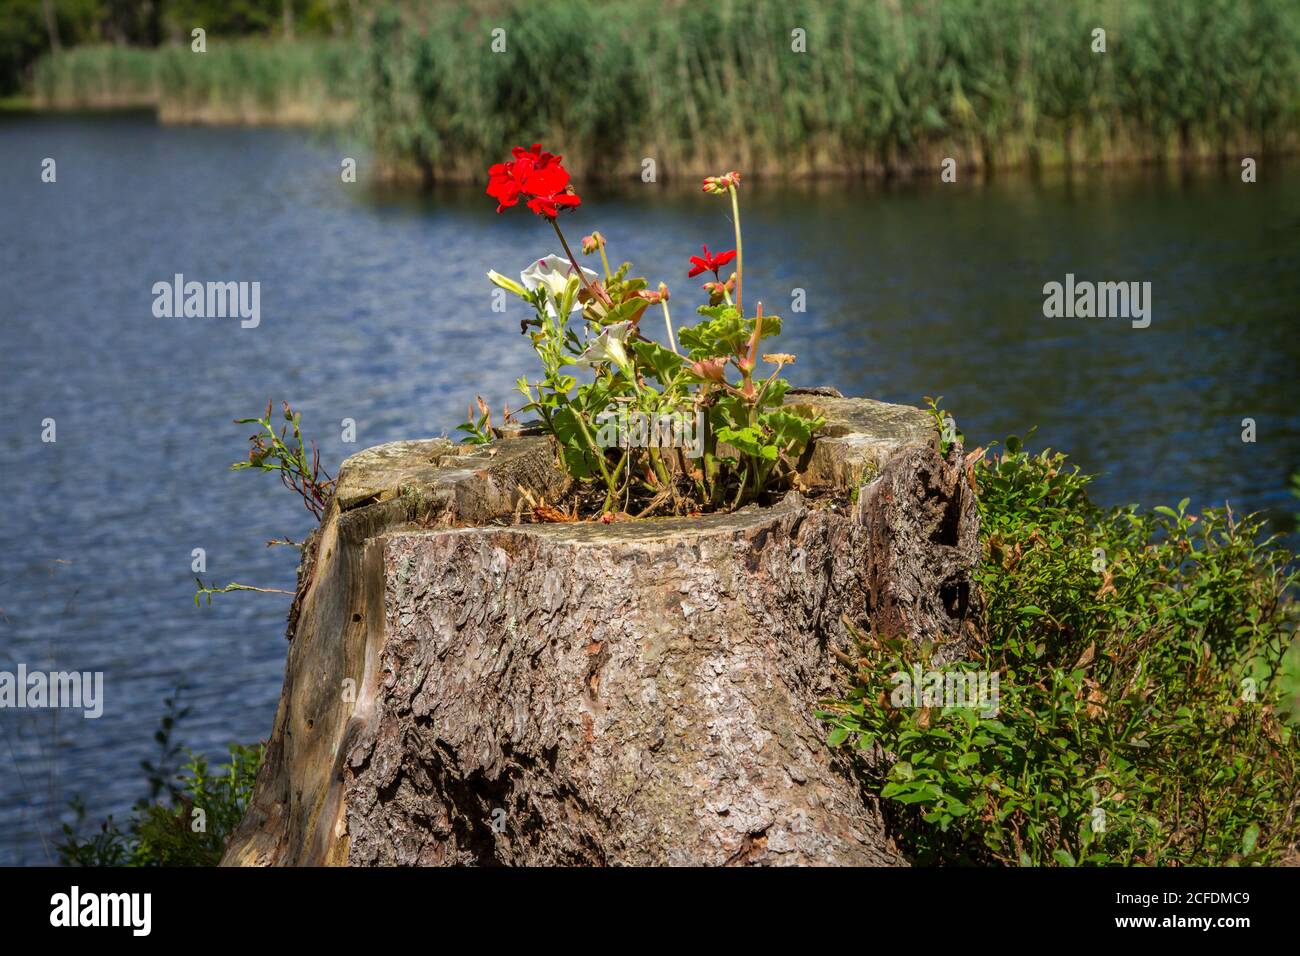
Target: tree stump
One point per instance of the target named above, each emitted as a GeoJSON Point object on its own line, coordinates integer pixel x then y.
{"type": "Point", "coordinates": [466, 690]}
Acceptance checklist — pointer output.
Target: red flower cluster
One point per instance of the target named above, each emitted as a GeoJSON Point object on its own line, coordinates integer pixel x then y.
{"type": "Point", "coordinates": [536, 177]}
{"type": "Point", "coordinates": [708, 263]}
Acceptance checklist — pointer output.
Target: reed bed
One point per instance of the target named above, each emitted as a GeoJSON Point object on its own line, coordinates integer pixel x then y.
{"type": "Point", "coordinates": [884, 85]}
{"type": "Point", "coordinates": [244, 81]}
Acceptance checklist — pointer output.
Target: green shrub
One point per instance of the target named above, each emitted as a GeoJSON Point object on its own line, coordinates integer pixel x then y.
{"type": "Point", "coordinates": [1148, 687]}
{"type": "Point", "coordinates": [186, 819]}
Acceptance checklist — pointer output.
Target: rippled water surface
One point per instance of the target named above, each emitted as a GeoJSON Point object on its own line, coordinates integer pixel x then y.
{"type": "Point", "coordinates": [374, 308]}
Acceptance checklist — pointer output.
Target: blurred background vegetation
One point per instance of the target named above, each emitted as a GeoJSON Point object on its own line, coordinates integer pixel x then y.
{"type": "Point", "coordinates": [884, 85]}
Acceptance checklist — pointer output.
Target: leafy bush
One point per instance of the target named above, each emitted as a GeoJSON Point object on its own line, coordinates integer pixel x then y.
{"type": "Point", "coordinates": [1147, 696]}
{"type": "Point", "coordinates": [186, 819]}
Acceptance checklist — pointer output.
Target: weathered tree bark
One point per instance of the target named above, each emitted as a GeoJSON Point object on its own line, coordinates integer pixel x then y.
{"type": "Point", "coordinates": [465, 690]}
{"type": "Point", "coordinates": [922, 520]}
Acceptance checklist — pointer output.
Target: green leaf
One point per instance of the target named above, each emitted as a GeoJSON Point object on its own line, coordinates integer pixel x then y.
{"type": "Point", "coordinates": [923, 794]}
{"type": "Point", "coordinates": [790, 431]}
{"type": "Point", "coordinates": [722, 335]}
{"type": "Point", "coordinates": [577, 460]}
{"type": "Point", "coordinates": [771, 326]}
{"type": "Point", "coordinates": [775, 395]}
{"type": "Point", "coordinates": [748, 440]}
{"type": "Point", "coordinates": [1249, 839]}
{"type": "Point", "coordinates": [719, 311]}
{"type": "Point", "coordinates": [664, 363]}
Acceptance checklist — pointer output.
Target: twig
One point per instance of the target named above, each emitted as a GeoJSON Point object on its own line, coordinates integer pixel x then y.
{"type": "Point", "coordinates": [204, 591]}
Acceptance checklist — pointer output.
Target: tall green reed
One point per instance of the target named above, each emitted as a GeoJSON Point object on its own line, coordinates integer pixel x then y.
{"type": "Point", "coordinates": [884, 85]}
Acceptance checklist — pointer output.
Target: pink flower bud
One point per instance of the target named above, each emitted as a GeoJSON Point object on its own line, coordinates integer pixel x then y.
{"type": "Point", "coordinates": [720, 184]}
{"type": "Point", "coordinates": [710, 369]}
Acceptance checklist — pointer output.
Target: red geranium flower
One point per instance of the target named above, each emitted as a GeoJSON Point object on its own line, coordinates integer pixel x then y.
{"type": "Point", "coordinates": [535, 176]}
{"type": "Point", "coordinates": [708, 263]}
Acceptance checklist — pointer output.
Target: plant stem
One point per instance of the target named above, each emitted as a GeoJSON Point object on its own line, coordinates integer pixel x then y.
{"type": "Point", "coordinates": [752, 358]}
{"type": "Point", "coordinates": [711, 468]}
{"type": "Point", "coordinates": [740, 492]}
{"type": "Point", "coordinates": [740, 255]}
{"type": "Point", "coordinates": [668, 321]}
{"type": "Point", "coordinates": [555, 223]}
{"type": "Point", "coordinates": [660, 470]}
{"type": "Point", "coordinates": [598, 452]}
{"type": "Point", "coordinates": [758, 402]}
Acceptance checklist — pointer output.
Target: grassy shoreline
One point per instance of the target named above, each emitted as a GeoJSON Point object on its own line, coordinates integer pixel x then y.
{"type": "Point", "coordinates": [244, 82]}
{"type": "Point", "coordinates": [883, 87]}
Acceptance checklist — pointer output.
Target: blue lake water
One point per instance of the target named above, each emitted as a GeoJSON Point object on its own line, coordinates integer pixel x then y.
{"type": "Point", "coordinates": [374, 307]}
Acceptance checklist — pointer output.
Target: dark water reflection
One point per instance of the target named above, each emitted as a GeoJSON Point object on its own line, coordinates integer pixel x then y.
{"type": "Point", "coordinates": [374, 308]}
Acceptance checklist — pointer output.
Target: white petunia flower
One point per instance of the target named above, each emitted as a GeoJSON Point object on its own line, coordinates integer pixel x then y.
{"type": "Point", "coordinates": [552, 274]}
{"type": "Point", "coordinates": [609, 346]}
